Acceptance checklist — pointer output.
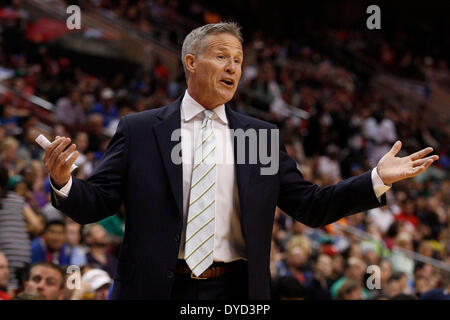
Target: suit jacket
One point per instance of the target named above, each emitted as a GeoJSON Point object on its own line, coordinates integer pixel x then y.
{"type": "Point", "coordinates": [137, 169]}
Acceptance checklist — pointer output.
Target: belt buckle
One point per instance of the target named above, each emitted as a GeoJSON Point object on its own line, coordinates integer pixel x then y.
{"type": "Point", "coordinates": [193, 276]}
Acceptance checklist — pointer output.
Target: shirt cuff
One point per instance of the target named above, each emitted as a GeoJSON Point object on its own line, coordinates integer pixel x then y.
{"type": "Point", "coordinates": [64, 191]}
{"type": "Point", "coordinates": [378, 186]}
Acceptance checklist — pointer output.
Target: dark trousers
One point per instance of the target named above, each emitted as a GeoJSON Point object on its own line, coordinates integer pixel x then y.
{"type": "Point", "coordinates": [232, 285]}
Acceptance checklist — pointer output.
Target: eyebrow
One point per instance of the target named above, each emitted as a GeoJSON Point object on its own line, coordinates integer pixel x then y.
{"type": "Point", "coordinates": [222, 48]}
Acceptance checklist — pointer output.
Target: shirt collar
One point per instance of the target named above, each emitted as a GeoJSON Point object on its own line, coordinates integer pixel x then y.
{"type": "Point", "coordinates": [191, 108]}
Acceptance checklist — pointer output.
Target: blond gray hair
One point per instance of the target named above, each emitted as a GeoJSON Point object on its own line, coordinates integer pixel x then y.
{"type": "Point", "coordinates": [192, 44]}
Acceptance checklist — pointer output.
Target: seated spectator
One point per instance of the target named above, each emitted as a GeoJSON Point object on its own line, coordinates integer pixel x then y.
{"type": "Point", "coordinates": [29, 149]}
{"type": "Point", "coordinates": [441, 293]}
{"type": "Point", "coordinates": [383, 217]}
{"type": "Point", "coordinates": [350, 290]}
{"type": "Point", "coordinates": [421, 285]}
{"type": "Point", "coordinates": [9, 158]}
{"type": "Point", "coordinates": [296, 263]}
{"type": "Point", "coordinates": [73, 236]}
{"type": "Point", "coordinates": [4, 277]}
{"type": "Point", "coordinates": [398, 285]}
{"type": "Point", "coordinates": [106, 107]}
{"type": "Point", "coordinates": [319, 288]}
{"type": "Point", "coordinates": [47, 280]}
{"type": "Point", "coordinates": [69, 110]}
{"type": "Point", "coordinates": [400, 261]}
{"type": "Point", "coordinates": [16, 219]}
{"type": "Point", "coordinates": [99, 282]}
{"type": "Point", "coordinates": [97, 256]}
{"type": "Point", "coordinates": [355, 269]}
{"type": "Point", "coordinates": [52, 246]}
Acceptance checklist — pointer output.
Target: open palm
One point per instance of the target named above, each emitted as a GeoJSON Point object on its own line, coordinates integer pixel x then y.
{"type": "Point", "coordinates": [392, 169]}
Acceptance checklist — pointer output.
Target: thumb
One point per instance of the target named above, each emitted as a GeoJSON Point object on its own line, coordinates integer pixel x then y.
{"type": "Point", "coordinates": [396, 148]}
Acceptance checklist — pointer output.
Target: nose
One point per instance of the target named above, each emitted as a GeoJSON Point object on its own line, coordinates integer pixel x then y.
{"type": "Point", "coordinates": [231, 67]}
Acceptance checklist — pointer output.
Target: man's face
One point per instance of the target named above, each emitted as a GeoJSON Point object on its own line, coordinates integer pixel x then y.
{"type": "Point", "coordinates": [4, 272]}
{"type": "Point", "coordinates": [46, 282]}
{"type": "Point", "coordinates": [216, 70]}
{"type": "Point", "coordinates": [102, 293]}
{"type": "Point", "coordinates": [73, 234]}
{"type": "Point", "coordinates": [325, 265]}
{"type": "Point", "coordinates": [97, 236]}
{"type": "Point", "coordinates": [55, 237]}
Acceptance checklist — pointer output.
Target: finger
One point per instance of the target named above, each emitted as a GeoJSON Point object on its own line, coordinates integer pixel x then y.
{"type": "Point", "coordinates": [51, 147]}
{"type": "Point", "coordinates": [396, 148]}
{"type": "Point", "coordinates": [418, 170]}
{"type": "Point", "coordinates": [421, 153]}
{"type": "Point", "coordinates": [63, 156]}
{"type": "Point", "coordinates": [55, 154]}
{"type": "Point", "coordinates": [71, 161]}
{"type": "Point", "coordinates": [424, 160]}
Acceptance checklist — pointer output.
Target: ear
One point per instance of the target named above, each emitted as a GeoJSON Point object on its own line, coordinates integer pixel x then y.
{"type": "Point", "coordinates": [190, 63]}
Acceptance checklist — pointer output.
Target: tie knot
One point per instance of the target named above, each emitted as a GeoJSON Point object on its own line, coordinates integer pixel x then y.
{"type": "Point", "coordinates": [208, 114]}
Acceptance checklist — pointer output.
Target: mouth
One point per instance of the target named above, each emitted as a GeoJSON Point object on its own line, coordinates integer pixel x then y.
{"type": "Point", "coordinates": [228, 82]}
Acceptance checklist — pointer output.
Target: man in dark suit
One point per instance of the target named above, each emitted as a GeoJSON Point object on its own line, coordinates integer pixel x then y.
{"type": "Point", "coordinates": [199, 226]}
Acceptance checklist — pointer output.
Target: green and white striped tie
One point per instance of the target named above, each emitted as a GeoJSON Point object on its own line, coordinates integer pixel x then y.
{"type": "Point", "coordinates": [199, 244]}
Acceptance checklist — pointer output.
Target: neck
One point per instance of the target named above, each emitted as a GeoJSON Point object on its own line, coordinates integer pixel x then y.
{"type": "Point", "coordinates": [204, 102]}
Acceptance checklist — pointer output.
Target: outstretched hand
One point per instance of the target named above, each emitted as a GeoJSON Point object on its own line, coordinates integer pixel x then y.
{"type": "Point", "coordinates": [392, 169]}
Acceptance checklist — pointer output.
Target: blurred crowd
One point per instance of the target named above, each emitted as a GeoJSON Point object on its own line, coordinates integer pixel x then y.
{"type": "Point", "coordinates": [333, 124]}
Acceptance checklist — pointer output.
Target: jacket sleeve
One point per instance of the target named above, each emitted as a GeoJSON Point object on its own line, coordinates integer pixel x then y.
{"type": "Point", "coordinates": [101, 194]}
{"type": "Point", "coordinates": [316, 206]}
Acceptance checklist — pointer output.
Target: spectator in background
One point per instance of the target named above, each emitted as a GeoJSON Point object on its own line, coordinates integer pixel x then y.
{"type": "Point", "coordinates": [296, 263]}
{"type": "Point", "coordinates": [350, 290]}
{"type": "Point", "coordinates": [442, 292]}
{"type": "Point", "coordinates": [421, 285]}
{"type": "Point", "coordinates": [9, 158]}
{"type": "Point", "coordinates": [355, 270]}
{"type": "Point", "coordinates": [400, 261]}
{"type": "Point", "coordinates": [97, 256]}
{"type": "Point", "coordinates": [396, 285]}
{"type": "Point", "coordinates": [73, 236]}
{"type": "Point", "coordinates": [15, 218]}
{"type": "Point", "coordinates": [386, 273]}
{"type": "Point", "coordinates": [407, 215]}
{"type": "Point", "coordinates": [106, 107]}
{"type": "Point", "coordinates": [383, 217]}
{"type": "Point", "coordinates": [69, 109]}
{"type": "Point", "coordinates": [319, 288]}
{"type": "Point", "coordinates": [4, 277]}
{"type": "Point", "coordinates": [33, 175]}
{"type": "Point", "coordinates": [84, 160]}
{"type": "Point", "coordinates": [52, 246]}
{"type": "Point", "coordinates": [29, 149]}
{"type": "Point", "coordinates": [99, 282]}
{"type": "Point", "coordinates": [47, 280]}
{"type": "Point", "coordinates": [380, 134]}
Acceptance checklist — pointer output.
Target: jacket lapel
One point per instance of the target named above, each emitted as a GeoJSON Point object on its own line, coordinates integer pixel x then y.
{"type": "Point", "coordinates": [170, 121]}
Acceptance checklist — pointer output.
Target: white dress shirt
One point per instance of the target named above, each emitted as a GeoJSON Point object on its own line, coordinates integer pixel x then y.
{"type": "Point", "coordinates": [229, 243]}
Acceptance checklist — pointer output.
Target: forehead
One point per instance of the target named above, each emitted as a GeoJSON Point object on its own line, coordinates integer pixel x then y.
{"type": "Point", "coordinates": [45, 272]}
{"type": "Point", "coordinates": [224, 41]}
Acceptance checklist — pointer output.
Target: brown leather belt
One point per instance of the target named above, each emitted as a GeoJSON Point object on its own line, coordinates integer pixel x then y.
{"type": "Point", "coordinates": [216, 270]}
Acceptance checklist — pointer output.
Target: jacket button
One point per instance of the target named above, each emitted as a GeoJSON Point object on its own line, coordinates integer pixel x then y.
{"type": "Point", "coordinates": [170, 274]}
{"type": "Point", "coordinates": [177, 237]}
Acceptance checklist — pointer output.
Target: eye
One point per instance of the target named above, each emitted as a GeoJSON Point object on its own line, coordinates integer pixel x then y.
{"type": "Point", "coordinates": [221, 56]}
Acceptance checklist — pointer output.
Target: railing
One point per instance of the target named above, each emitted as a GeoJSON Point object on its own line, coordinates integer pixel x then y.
{"type": "Point", "coordinates": [413, 255]}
